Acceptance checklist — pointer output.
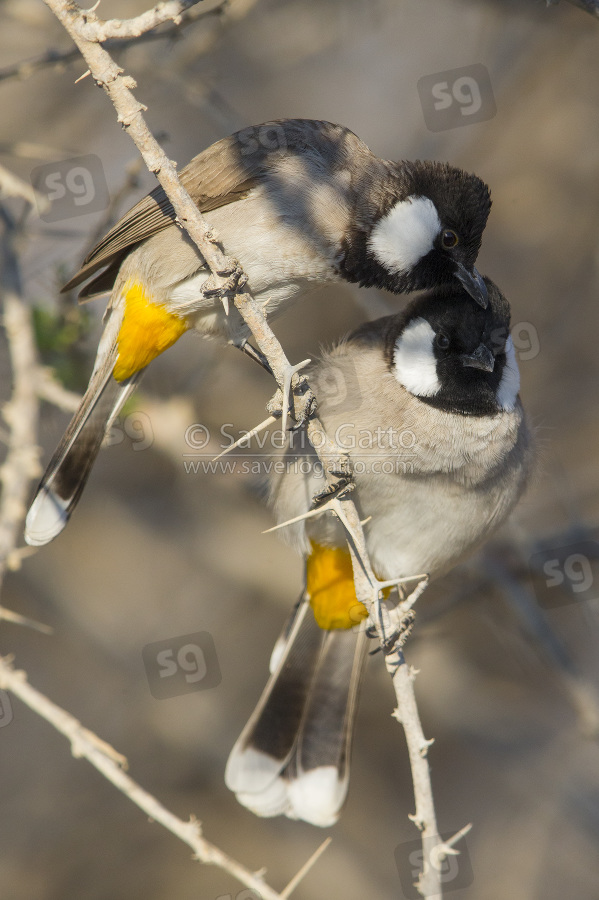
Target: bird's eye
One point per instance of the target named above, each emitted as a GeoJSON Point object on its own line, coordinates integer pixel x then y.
{"type": "Point", "coordinates": [449, 239]}
{"type": "Point", "coordinates": [442, 341]}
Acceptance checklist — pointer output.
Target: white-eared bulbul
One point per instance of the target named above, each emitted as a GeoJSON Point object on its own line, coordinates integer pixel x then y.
{"type": "Point", "coordinates": [440, 450]}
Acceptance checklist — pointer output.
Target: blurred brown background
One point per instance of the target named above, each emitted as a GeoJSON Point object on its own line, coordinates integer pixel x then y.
{"type": "Point", "coordinates": [154, 553]}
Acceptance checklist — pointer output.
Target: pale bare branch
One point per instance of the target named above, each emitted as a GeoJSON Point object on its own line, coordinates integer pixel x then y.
{"type": "Point", "coordinates": [52, 391]}
{"type": "Point", "coordinates": [60, 58]}
{"type": "Point", "coordinates": [86, 745]}
{"type": "Point", "coordinates": [92, 28]}
{"type": "Point", "coordinates": [21, 412]}
{"type": "Point", "coordinates": [13, 186]}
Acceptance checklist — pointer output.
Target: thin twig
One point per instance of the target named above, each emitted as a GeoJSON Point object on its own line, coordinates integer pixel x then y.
{"type": "Point", "coordinates": [13, 186]}
{"type": "Point", "coordinates": [424, 817]}
{"type": "Point", "coordinates": [143, 27]}
{"type": "Point", "coordinates": [59, 58]}
{"type": "Point", "coordinates": [406, 712]}
{"type": "Point", "coordinates": [86, 745]}
{"type": "Point", "coordinates": [92, 28]}
{"type": "Point", "coordinates": [32, 150]}
{"type": "Point", "coordinates": [118, 196]}
{"type": "Point", "coordinates": [52, 391]}
{"type": "Point", "coordinates": [24, 69]}
{"type": "Point", "coordinates": [22, 410]}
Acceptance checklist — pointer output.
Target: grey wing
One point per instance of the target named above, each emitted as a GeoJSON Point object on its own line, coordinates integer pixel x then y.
{"type": "Point", "coordinates": [213, 179]}
{"type": "Point", "coordinates": [223, 173]}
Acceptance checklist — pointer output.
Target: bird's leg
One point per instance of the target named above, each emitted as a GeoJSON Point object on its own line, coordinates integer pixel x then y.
{"type": "Point", "coordinates": [254, 354]}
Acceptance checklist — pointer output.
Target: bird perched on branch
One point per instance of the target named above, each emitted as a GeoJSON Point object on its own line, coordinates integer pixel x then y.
{"type": "Point", "coordinates": [426, 405]}
{"type": "Point", "coordinates": [298, 203]}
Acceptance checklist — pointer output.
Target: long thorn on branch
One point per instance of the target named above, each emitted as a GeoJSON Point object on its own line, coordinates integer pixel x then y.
{"type": "Point", "coordinates": [247, 437]}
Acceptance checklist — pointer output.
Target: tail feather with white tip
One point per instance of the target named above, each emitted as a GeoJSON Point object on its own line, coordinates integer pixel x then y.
{"type": "Point", "coordinates": [69, 468]}
{"type": "Point", "coordinates": [292, 758]}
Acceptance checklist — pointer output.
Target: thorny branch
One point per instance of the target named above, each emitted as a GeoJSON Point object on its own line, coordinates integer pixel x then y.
{"type": "Point", "coordinates": [87, 31]}
{"type": "Point", "coordinates": [86, 745]}
{"type": "Point", "coordinates": [60, 58]}
{"type": "Point", "coordinates": [52, 391]}
{"type": "Point", "coordinates": [21, 412]}
{"type": "Point", "coordinates": [92, 28]}
{"type": "Point", "coordinates": [12, 186]}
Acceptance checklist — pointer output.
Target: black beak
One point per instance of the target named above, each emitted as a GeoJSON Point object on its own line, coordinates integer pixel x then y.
{"type": "Point", "coordinates": [474, 284]}
{"type": "Point", "coordinates": [482, 358]}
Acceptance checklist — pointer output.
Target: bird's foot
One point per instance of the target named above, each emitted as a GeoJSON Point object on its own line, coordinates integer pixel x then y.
{"type": "Point", "coordinates": [395, 623]}
{"type": "Point", "coordinates": [295, 399]}
{"type": "Point", "coordinates": [399, 635]}
{"type": "Point", "coordinates": [235, 280]}
{"type": "Point", "coordinates": [340, 469]}
{"type": "Point", "coordinates": [393, 641]}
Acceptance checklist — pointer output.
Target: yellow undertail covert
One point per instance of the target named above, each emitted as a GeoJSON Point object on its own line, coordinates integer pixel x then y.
{"type": "Point", "coordinates": [148, 330]}
{"type": "Point", "coordinates": [330, 586]}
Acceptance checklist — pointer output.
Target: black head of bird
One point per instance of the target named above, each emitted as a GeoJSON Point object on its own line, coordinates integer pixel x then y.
{"type": "Point", "coordinates": [454, 355]}
{"type": "Point", "coordinates": [426, 231]}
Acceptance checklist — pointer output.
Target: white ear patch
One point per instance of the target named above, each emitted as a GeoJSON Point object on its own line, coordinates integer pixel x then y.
{"type": "Point", "coordinates": [405, 234]}
{"type": "Point", "coordinates": [510, 379]}
{"type": "Point", "coordinates": [415, 366]}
